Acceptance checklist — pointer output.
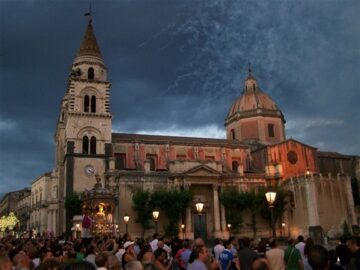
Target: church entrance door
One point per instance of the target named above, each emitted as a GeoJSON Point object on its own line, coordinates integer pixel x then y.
{"type": "Point", "coordinates": [200, 226]}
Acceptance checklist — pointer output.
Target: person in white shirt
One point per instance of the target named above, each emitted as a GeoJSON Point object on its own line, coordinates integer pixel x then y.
{"type": "Point", "coordinates": [218, 248]}
{"type": "Point", "coordinates": [119, 254]}
{"type": "Point", "coordinates": [300, 246]}
{"type": "Point", "coordinates": [154, 242]}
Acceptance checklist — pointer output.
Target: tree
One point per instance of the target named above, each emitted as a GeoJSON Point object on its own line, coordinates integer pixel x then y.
{"type": "Point", "coordinates": [143, 209]}
{"type": "Point", "coordinates": [173, 204]}
{"type": "Point", "coordinates": [254, 204]}
{"type": "Point", "coordinates": [73, 208]}
{"type": "Point", "coordinates": [234, 202]}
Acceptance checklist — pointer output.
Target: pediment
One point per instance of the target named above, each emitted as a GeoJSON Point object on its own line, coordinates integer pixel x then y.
{"type": "Point", "coordinates": [202, 171]}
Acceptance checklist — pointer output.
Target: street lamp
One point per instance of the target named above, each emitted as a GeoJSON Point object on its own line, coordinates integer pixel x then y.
{"type": "Point", "coordinates": [307, 172]}
{"type": "Point", "coordinates": [270, 197]}
{"type": "Point", "coordinates": [183, 230]}
{"type": "Point", "coordinates": [126, 220]}
{"type": "Point", "coordinates": [199, 207]}
{"type": "Point", "coordinates": [156, 214]}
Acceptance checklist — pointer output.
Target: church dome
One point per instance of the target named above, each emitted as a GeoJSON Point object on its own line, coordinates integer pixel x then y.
{"type": "Point", "coordinates": [252, 102]}
{"type": "Point", "coordinates": [254, 116]}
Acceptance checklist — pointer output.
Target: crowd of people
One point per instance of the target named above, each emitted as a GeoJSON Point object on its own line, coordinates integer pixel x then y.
{"type": "Point", "coordinates": [160, 253]}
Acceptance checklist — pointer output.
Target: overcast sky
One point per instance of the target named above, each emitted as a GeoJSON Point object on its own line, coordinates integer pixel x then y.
{"type": "Point", "coordinates": [176, 67]}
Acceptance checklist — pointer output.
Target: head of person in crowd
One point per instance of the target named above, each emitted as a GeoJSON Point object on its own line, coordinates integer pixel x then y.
{"type": "Point", "coordinates": [354, 244]}
{"type": "Point", "coordinates": [5, 262]}
{"type": "Point", "coordinates": [160, 243]}
{"type": "Point", "coordinates": [259, 264]}
{"type": "Point", "coordinates": [199, 242]}
{"type": "Point", "coordinates": [80, 266]}
{"type": "Point", "coordinates": [155, 236]}
{"type": "Point", "coordinates": [21, 260]}
{"type": "Point", "coordinates": [272, 243]}
{"type": "Point", "coordinates": [291, 242]}
{"type": "Point", "coordinates": [129, 246]}
{"type": "Point", "coordinates": [50, 264]}
{"type": "Point", "coordinates": [160, 255]}
{"type": "Point", "coordinates": [318, 258]}
{"type": "Point", "coordinates": [246, 242]}
{"type": "Point", "coordinates": [134, 265]}
{"type": "Point", "coordinates": [300, 238]}
{"type": "Point", "coordinates": [201, 253]}
{"type": "Point", "coordinates": [186, 244]}
{"type": "Point", "coordinates": [101, 260]}
{"type": "Point", "coordinates": [113, 263]}
{"type": "Point", "coordinates": [227, 244]}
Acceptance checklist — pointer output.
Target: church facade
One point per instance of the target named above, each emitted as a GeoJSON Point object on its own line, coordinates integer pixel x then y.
{"type": "Point", "coordinates": [254, 154]}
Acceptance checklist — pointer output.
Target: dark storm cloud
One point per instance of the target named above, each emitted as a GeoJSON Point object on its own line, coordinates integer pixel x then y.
{"type": "Point", "coordinates": [176, 67]}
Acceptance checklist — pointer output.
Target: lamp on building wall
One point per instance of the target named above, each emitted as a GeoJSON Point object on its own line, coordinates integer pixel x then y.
{"type": "Point", "coordinates": [270, 197]}
{"type": "Point", "coordinates": [126, 220]}
{"type": "Point", "coordinates": [156, 214]}
{"type": "Point", "coordinates": [199, 208]}
{"type": "Point", "coordinates": [307, 172]}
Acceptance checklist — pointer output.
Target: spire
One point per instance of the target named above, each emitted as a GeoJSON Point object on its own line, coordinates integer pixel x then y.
{"type": "Point", "coordinates": [89, 46]}
{"type": "Point", "coordinates": [250, 82]}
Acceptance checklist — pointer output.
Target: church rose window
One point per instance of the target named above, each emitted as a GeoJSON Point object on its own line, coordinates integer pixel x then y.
{"type": "Point", "coordinates": [292, 157]}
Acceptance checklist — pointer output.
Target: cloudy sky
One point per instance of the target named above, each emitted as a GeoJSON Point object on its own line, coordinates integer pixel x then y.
{"type": "Point", "coordinates": [176, 66]}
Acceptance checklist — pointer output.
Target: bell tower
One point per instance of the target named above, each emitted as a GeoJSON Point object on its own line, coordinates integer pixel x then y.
{"type": "Point", "coordinates": [83, 133]}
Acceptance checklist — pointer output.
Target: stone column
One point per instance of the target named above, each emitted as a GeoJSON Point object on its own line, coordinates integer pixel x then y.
{"type": "Point", "coordinates": [189, 233]}
{"type": "Point", "coordinates": [315, 230]}
{"type": "Point", "coordinates": [224, 229]}
{"type": "Point", "coordinates": [216, 210]}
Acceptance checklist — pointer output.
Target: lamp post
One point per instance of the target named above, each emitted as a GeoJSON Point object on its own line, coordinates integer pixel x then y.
{"type": "Point", "coordinates": [156, 214]}
{"type": "Point", "coordinates": [270, 197]}
{"type": "Point", "coordinates": [199, 207]}
{"type": "Point", "coordinates": [126, 220]}
{"type": "Point", "coordinates": [183, 231]}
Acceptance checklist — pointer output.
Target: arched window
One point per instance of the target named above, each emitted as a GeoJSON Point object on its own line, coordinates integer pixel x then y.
{"type": "Point", "coordinates": [91, 73]}
{"type": "Point", "coordinates": [85, 148]}
{"type": "Point", "coordinates": [93, 145]}
{"type": "Point", "coordinates": [93, 104]}
{"type": "Point", "coordinates": [86, 103]}
{"type": "Point", "coordinates": [234, 166]}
